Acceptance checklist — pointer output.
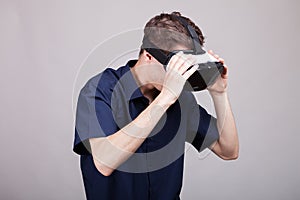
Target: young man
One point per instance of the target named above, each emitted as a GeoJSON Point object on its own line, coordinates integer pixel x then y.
{"type": "Point", "coordinates": [132, 123]}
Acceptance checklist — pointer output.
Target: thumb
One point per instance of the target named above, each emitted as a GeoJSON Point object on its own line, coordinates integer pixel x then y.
{"type": "Point", "coordinates": [225, 72]}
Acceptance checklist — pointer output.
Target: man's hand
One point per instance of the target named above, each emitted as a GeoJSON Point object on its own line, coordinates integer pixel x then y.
{"type": "Point", "coordinates": [177, 74]}
{"type": "Point", "coordinates": [220, 86]}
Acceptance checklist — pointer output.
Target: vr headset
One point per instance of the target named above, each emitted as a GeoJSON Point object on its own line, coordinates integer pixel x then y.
{"type": "Point", "coordinates": [209, 68]}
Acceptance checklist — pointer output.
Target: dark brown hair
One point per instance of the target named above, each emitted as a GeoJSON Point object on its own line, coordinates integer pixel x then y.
{"type": "Point", "coordinates": [166, 32]}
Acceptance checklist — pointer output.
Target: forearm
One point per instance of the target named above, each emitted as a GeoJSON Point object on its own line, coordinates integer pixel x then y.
{"type": "Point", "coordinates": [109, 152]}
{"type": "Point", "coordinates": [227, 146]}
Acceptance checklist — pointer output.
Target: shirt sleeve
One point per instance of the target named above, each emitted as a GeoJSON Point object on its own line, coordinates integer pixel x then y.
{"type": "Point", "coordinates": [94, 117]}
{"type": "Point", "coordinates": [202, 128]}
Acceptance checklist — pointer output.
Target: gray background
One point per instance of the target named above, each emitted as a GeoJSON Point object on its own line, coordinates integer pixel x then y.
{"type": "Point", "coordinates": [43, 44]}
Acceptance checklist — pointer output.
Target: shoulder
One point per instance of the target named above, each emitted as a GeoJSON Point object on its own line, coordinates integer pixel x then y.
{"type": "Point", "coordinates": [106, 79]}
{"type": "Point", "coordinates": [102, 84]}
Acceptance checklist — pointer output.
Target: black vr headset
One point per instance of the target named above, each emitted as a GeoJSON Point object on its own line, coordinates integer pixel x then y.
{"type": "Point", "coordinates": [209, 68]}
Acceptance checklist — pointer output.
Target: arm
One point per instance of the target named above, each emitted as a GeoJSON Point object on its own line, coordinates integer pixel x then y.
{"type": "Point", "coordinates": [111, 151]}
{"type": "Point", "coordinates": [227, 146]}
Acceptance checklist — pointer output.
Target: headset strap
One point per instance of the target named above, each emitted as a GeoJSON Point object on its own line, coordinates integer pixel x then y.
{"type": "Point", "coordinates": [161, 56]}
{"type": "Point", "coordinates": [196, 42]}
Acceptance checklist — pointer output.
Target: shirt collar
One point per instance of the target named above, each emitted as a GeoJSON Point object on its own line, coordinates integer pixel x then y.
{"type": "Point", "coordinates": [131, 89]}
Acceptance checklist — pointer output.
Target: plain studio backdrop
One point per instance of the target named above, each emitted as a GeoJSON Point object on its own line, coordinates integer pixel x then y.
{"type": "Point", "coordinates": [44, 44]}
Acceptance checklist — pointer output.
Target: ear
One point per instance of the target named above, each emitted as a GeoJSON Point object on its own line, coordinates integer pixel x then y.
{"type": "Point", "coordinates": [147, 56]}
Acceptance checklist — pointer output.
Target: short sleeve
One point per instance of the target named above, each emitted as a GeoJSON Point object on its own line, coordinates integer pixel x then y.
{"type": "Point", "coordinates": [94, 117]}
{"type": "Point", "coordinates": [202, 128]}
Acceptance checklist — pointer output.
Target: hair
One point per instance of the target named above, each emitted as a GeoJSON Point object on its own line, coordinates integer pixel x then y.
{"type": "Point", "coordinates": [166, 32]}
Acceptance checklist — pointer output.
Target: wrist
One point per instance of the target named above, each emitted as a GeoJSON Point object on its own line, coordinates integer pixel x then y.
{"type": "Point", "coordinates": [165, 100]}
{"type": "Point", "coordinates": [218, 95]}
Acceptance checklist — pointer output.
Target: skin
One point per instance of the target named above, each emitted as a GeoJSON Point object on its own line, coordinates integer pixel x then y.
{"type": "Point", "coordinates": [162, 88]}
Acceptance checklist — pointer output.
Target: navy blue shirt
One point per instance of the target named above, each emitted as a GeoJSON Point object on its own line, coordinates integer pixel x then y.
{"type": "Point", "coordinates": [111, 100]}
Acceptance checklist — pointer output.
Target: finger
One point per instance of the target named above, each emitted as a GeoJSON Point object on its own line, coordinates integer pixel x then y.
{"type": "Point", "coordinates": [180, 62]}
{"type": "Point", "coordinates": [213, 54]}
{"type": "Point", "coordinates": [172, 61]}
{"type": "Point", "coordinates": [189, 72]}
{"type": "Point", "coordinates": [222, 60]}
{"type": "Point", "coordinates": [190, 61]}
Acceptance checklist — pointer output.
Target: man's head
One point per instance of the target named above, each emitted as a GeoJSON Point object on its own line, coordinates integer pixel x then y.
{"type": "Point", "coordinates": [167, 33]}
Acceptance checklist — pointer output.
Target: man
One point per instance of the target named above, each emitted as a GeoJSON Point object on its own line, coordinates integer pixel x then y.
{"type": "Point", "coordinates": [132, 123]}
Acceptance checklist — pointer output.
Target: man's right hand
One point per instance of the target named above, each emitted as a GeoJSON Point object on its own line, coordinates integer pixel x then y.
{"type": "Point", "coordinates": [176, 75]}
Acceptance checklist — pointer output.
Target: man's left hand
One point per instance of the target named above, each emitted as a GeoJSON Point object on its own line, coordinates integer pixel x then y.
{"type": "Point", "coordinates": [220, 86]}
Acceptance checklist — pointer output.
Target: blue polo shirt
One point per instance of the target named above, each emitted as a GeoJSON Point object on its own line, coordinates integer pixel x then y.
{"type": "Point", "coordinates": [111, 100]}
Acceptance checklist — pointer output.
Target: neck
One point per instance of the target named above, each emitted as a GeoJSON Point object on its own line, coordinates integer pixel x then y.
{"type": "Point", "coordinates": [149, 92]}
{"type": "Point", "coordinates": [147, 89]}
